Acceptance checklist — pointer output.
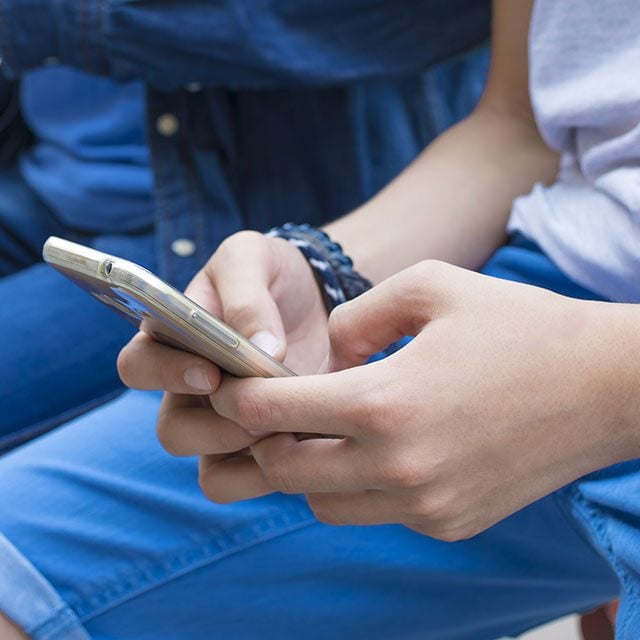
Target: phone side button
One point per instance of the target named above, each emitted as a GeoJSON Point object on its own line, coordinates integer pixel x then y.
{"type": "Point", "coordinates": [210, 329]}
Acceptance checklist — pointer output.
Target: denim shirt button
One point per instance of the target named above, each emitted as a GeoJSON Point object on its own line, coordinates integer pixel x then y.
{"type": "Point", "coordinates": [183, 247]}
{"type": "Point", "coordinates": [167, 125]}
{"type": "Point", "coordinates": [193, 87]}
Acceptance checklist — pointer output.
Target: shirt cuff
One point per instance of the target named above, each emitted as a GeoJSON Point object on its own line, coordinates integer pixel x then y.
{"type": "Point", "coordinates": [35, 33]}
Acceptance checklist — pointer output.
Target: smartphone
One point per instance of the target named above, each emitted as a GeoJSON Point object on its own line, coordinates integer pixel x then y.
{"type": "Point", "coordinates": [158, 309]}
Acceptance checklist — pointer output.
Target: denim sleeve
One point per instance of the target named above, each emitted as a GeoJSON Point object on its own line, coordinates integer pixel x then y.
{"type": "Point", "coordinates": [239, 43]}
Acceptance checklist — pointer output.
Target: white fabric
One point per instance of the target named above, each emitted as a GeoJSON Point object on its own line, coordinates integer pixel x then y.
{"type": "Point", "coordinates": [585, 90]}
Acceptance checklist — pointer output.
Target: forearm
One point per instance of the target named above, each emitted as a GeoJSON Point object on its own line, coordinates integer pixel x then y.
{"type": "Point", "coordinates": [453, 202]}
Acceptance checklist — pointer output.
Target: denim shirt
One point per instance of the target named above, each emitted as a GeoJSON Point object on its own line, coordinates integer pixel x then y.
{"type": "Point", "coordinates": [90, 161]}
{"type": "Point", "coordinates": [262, 111]}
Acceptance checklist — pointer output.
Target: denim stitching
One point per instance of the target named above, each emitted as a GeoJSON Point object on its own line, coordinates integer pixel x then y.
{"type": "Point", "coordinates": [57, 623]}
{"type": "Point", "coordinates": [184, 563]}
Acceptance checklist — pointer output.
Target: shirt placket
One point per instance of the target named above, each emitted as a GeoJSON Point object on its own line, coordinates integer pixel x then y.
{"type": "Point", "coordinates": [182, 242]}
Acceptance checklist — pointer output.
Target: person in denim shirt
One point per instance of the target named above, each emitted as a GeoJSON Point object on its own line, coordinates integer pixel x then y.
{"type": "Point", "coordinates": [255, 113]}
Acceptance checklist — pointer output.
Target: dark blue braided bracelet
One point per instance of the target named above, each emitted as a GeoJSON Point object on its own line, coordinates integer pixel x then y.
{"type": "Point", "coordinates": [334, 271]}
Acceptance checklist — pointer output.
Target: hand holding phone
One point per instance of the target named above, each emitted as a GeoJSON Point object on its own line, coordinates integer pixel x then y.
{"type": "Point", "coordinates": [262, 285]}
{"type": "Point", "coordinates": [158, 309]}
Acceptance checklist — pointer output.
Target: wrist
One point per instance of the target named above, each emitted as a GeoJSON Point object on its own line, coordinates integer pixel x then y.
{"type": "Point", "coordinates": [612, 375]}
{"type": "Point", "coordinates": [625, 353]}
{"type": "Point", "coordinates": [334, 272]}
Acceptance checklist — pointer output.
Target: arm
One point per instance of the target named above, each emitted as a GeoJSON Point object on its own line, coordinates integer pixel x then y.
{"type": "Point", "coordinates": [507, 393]}
{"type": "Point", "coordinates": [239, 44]}
{"type": "Point", "coordinates": [428, 427]}
{"type": "Point", "coordinates": [453, 202]}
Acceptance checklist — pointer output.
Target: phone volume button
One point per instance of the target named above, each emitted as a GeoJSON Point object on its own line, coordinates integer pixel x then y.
{"type": "Point", "coordinates": [210, 329]}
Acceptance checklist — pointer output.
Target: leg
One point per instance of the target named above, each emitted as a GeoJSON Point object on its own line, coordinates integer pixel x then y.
{"type": "Point", "coordinates": [58, 353]}
{"type": "Point", "coordinates": [58, 345]}
{"type": "Point", "coordinates": [25, 223]}
{"type": "Point", "coordinates": [113, 539]}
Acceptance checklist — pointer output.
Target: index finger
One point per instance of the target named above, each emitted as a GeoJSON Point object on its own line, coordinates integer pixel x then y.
{"type": "Point", "coordinates": [312, 466]}
{"type": "Point", "coordinates": [147, 364]}
{"type": "Point", "coordinates": [324, 404]}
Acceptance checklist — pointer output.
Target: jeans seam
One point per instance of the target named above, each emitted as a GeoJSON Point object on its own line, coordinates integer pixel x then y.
{"type": "Point", "coordinates": [44, 615]}
{"type": "Point", "coordinates": [50, 628]}
{"type": "Point", "coordinates": [179, 565]}
{"type": "Point", "coordinates": [593, 516]}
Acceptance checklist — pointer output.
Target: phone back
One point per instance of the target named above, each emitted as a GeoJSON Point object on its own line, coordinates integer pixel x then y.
{"type": "Point", "coordinates": [158, 309]}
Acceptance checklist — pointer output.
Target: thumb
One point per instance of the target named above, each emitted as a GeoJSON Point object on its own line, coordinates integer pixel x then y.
{"type": "Point", "coordinates": [242, 278]}
{"type": "Point", "coordinates": [399, 306]}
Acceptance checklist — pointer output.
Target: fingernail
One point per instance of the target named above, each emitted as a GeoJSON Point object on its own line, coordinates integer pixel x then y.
{"type": "Point", "coordinates": [196, 378]}
{"type": "Point", "coordinates": [257, 434]}
{"type": "Point", "coordinates": [266, 341]}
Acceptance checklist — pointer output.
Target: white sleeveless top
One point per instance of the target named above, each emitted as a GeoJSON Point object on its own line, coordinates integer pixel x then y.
{"type": "Point", "coordinates": [585, 90]}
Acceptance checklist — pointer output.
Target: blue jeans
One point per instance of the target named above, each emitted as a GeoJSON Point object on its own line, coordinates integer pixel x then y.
{"type": "Point", "coordinates": [58, 346]}
{"type": "Point", "coordinates": [335, 146]}
{"type": "Point", "coordinates": [106, 536]}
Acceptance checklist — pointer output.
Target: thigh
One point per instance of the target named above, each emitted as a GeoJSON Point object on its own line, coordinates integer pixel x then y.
{"type": "Point", "coordinates": [58, 348]}
{"type": "Point", "coordinates": [25, 223]}
{"type": "Point", "coordinates": [112, 538]}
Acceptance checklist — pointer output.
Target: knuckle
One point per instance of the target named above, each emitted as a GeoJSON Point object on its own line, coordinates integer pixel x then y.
{"type": "Point", "coordinates": [125, 366]}
{"type": "Point", "coordinates": [239, 314]}
{"type": "Point", "coordinates": [338, 325]}
{"type": "Point", "coordinates": [345, 335]}
{"type": "Point", "coordinates": [231, 247]}
{"type": "Point", "coordinates": [447, 532]}
{"type": "Point", "coordinates": [434, 507]}
{"type": "Point", "coordinates": [254, 411]}
{"type": "Point", "coordinates": [324, 512]}
{"type": "Point", "coordinates": [247, 235]}
{"type": "Point", "coordinates": [278, 476]}
{"type": "Point", "coordinates": [374, 412]}
{"type": "Point", "coordinates": [166, 379]}
{"type": "Point", "coordinates": [401, 473]}
{"type": "Point", "coordinates": [229, 439]}
{"type": "Point", "coordinates": [431, 269]}
{"type": "Point", "coordinates": [211, 489]}
{"type": "Point", "coordinates": [166, 434]}
{"type": "Point", "coordinates": [231, 243]}
{"type": "Point", "coordinates": [455, 533]}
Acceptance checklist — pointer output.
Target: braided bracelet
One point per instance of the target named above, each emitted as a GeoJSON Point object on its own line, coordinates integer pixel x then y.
{"type": "Point", "coordinates": [334, 271]}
